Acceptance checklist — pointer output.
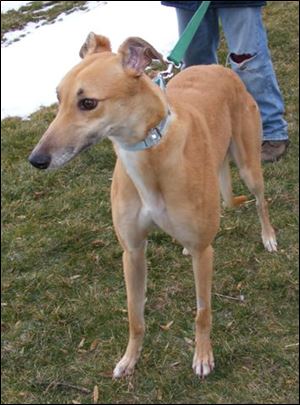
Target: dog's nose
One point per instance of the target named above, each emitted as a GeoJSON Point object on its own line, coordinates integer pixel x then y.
{"type": "Point", "coordinates": [40, 161]}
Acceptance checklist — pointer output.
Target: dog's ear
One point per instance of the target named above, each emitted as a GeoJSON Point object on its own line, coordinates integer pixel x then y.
{"type": "Point", "coordinates": [137, 54]}
{"type": "Point", "coordinates": [94, 44]}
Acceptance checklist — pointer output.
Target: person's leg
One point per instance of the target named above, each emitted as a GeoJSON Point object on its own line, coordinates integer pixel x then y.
{"type": "Point", "coordinates": [203, 49]}
{"type": "Point", "coordinates": [250, 58]}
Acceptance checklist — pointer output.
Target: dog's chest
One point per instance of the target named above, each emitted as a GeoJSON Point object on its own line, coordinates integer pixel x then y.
{"type": "Point", "coordinates": [154, 208]}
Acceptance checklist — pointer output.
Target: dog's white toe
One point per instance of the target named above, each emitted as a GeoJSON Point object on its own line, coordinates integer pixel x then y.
{"type": "Point", "coordinates": [203, 365]}
{"type": "Point", "coordinates": [202, 369]}
{"type": "Point", "coordinates": [270, 244]}
{"type": "Point", "coordinates": [124, 368]}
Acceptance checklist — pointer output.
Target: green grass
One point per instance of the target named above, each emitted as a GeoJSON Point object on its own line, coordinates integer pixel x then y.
{"type": "Point", "coordinates": [64, 320]}
{"type": "Point", "coordinates": [37, 11]}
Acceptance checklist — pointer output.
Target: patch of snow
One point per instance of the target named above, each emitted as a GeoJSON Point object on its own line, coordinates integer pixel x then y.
{"type": "Point", "coordinates": [15, 35]}
{"type": "Point", "coordinates": [32, 67]}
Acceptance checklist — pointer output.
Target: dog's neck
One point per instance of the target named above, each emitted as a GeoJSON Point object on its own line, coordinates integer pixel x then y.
{"type": "Point", "coordinates": [151, 111]}
{"type": "Point", "coordinates": [150, 117]}
{"type": "Point", "coordinates": [153, 137]}
{"type": "Point", "coordinates": [155, 134]}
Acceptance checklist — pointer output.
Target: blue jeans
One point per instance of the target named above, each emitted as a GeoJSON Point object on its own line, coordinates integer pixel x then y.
{"type": "Point", "coordinates": [245, 35]}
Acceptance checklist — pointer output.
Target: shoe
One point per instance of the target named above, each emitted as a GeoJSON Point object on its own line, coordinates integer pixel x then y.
{"type": "Point", "coordinates": [271, 151]}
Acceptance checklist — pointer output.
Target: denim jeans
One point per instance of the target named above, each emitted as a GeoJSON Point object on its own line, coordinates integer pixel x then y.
{"type": "Point", "coordinates": [245, 34]}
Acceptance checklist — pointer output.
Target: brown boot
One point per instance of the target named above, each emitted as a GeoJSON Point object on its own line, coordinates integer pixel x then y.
{"type": "Point", "coordinates": [271, 151]}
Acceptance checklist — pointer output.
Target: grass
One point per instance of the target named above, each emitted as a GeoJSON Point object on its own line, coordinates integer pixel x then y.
{"type": "Point", "coordinates": [37, 11]}
{"type": "Point", "coordinates": [64, 320]}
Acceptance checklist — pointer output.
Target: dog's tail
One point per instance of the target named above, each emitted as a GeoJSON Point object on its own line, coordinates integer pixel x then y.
{"type": "Point", "coordinates": [226, 187]}
{"type": "Point", "coordinates": [241, 199]}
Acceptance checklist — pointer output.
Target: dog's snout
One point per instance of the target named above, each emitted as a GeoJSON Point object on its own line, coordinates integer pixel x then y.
{"type": "Point", "coordinates": [41, 161]}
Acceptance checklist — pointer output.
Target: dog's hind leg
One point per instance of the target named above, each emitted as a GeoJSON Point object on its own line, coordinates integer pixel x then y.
{"type": "Point", "coordinates": [254, 181]}
{"type": "Point", "coordinates": [203, 362]}
{"type": "Point", "coordinates": [229, 200]}
{"type": "Point", "coordinates": [246, 152]}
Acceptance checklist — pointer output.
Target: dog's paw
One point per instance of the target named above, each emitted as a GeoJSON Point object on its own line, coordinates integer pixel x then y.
{"type": "Point", "coordinates": [203, 365]}
{"type": "Point", "coordinates": [270, 243]}
{"type": "Point", "coordinates": [124, 368]}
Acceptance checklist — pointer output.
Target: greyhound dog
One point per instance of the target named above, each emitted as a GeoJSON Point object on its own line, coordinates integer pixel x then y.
{"type": "Point", "coordinates": [173, 149]}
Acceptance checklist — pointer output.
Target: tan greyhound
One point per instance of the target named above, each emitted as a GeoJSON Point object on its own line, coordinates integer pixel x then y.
{"type": "Point", "coordinates": [172, 152]}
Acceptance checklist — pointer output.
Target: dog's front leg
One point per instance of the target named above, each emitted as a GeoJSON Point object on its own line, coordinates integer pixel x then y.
{"type": "Point", "coordinates": [203, 362]}
{"type": "Point", "coordinates": [135, 277]}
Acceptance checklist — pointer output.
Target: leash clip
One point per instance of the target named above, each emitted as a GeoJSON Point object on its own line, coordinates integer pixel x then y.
{"type": "Point", "coordinates": [169, 72]}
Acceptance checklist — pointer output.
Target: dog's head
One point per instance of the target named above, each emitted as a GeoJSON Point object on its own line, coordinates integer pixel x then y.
{"type": "Point", "coordinates": [100, 97]}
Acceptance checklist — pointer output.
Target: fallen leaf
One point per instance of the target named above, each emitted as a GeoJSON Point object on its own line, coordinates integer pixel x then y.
{"type": "Point", "coordinates": [96, 394]}
{"type": "Point", "coordinates": [229, 324]}
{"type": "Point", "coordinates": [81, 343]}
{"type": "Point", "coordinates": [106, 374]}
{"type": "Point", "coordinates": [38, 194]}
{"type": "Point", "coordinates": [189, 341]}
{"type": "Point", "coordinates": [94, 344]}
{"type": "Point", "coordinates": [167, 326]}
{"type": "Point", "coordinates": [98, 242]}
{"type": "Point", "coordinates": [75, 277]}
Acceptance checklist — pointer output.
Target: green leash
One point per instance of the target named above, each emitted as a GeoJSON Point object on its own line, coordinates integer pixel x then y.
{"type": "Point", "coordinates": [184, 41]}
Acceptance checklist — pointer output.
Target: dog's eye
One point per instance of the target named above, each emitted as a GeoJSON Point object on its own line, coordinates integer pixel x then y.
{"type": "Point", "coordinates": [87, 104]}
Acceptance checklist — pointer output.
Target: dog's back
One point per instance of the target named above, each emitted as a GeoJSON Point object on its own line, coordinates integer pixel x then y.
{"type": "Point", "coordinates": [218, 96]}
